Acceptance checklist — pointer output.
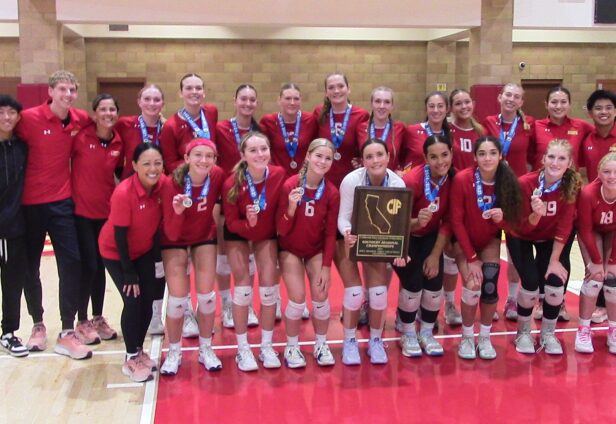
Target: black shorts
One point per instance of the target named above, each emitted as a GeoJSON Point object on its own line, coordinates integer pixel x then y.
{"type": "Point", "coordinates": [186, 246]}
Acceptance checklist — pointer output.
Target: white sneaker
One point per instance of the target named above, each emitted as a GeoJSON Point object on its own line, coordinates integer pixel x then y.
{"type": "Point", "coordinates": [485, 348]}
{"type": "Point", "coordinates": [511, 309]}
{"type": "Point", "coordinates": [306, 313]}
{"type": "Point", "coordinates": [583, 340]}
{"type": "Point", "coordinates": [172, 362]}
{"type": "Point", "coordinates": [227, 315]}
{"type": "Point", "coordinates": [550, 343]}
{"type": "Point", "coordinates": [293, 357]}
{"type": "Point", "coordinates": [599, 315]}
{"type": "Point", "coordinates": [452, 315]}
{"type": "Point", "coordinates": [156, 327]}
{"type": "Point", "coordinates": [278, 309]}
{"type": "Point", "coordinates": [410, 345]}
{"type": "Point", "coordinates": [208, 358]}
{"type": "Point", "coordinates": [429, 344]}
{"type": "Point", "coordinates": [245, 359]}
{"type": "Point", "coordinates": [466, 349]}
{"type": "Point", "coordinates": [253, 321]}
{"type": "Point", "coordinates": [269, 357]}
{"type": "Point", "coordinates": [190, 328]}
{"type": "Point", "coordinates": [524, 342]}
{"type": "Point", "coordinates": [323, 355]}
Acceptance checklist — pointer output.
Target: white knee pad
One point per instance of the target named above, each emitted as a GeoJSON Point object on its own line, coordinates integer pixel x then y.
{"type": "Point", "coordinates": [409, 301]}
{"type": "Point", "coordinates": [431, 300]}
{"type": "Point", "coordinates": [378, 298]}
{"type": "Point", "coordinates": [222, 265]}
{"type": "Point", "coordinates": [449, 265]}
{"type": "Point", "coordinates": [207, 302]}
{"type": "Point", "coordinates": [159, 269]}
{"type": "Point", "coordinates": [294, 310]}
{"type": "Point", "coordinates": [176, 307]}
{"type": "Point", "coordinates": [591, 288]}
{"type": "Point", "coordinates": [527, 299]}
{"type": "Point", "coordinates": [252, 264]}
{"type": "Point", "coordinates": [470, 297]}
{"type": "Point", "coordinates": [269, 295]}
{"type": "Point", "coordinates": [321, 310]}
{"type": "Point", "coordinates": [353, 298]}
{"type": "Point", "coordinates": [555, 295]}
{"type": "Point", "coordinates": [609, 289]}
{"type": "Point", "coordinates": [242, 295]}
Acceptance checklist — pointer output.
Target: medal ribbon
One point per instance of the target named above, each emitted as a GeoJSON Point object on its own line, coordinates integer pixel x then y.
{"type": "Point", "coordinates": [479, 191]}
{"type": "Point", "coordinates": [290, 145]}
{"type": "Point", "coordinates": [385, 180]}
{"type": "Point", "coordinates": [203, 132]}
{"type": "Point", "coordinates": [144, 131]}
{"type": "Point", "coordinates": [338, 136]}
{"type": "Point", "coordinates": [205, 189]}
{"type": "Point", "coordinates": [506, 141]}
{"type": "Point", "coordinates": [385, 131]}
{"type": "Point", "coordinates": [318, 194]}
{"type": "Point", "coordinates": [430, 131]}
{"type": "Point", "coordinates": [431, 194]}
{"type": "Point", "coordinates": [550, 189]}
{"type": "Point", "coordinates": [236, 131]}
{"type": "Point", "coordinates": [252, 190]}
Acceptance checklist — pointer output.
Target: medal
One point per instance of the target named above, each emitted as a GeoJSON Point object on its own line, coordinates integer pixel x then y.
{"type": "Point", "coordinates": [205, 189]}
{"type": "Point", "coordinates": [433, 207]}
{"type": "Point", "coordinates": [338, 133]}
{"type": "Point", "coordinates": [432, 194]}
{"type": "Point", "coordinates": [537, 192]}
{"type": "Point", "coordinates": [291, 143]}
{"type": "Point", "coordinates": [204, 131]}
{"type": "Point", "coordinates": [258, 199]}
{"type": "Point", "coordinates": [255, 206]}
{"type": "Point", "coordinates": [337, 156]}
{"type": "Point", "coordinates": [481, 203]}
{"type": "Point", "coordinates": [293, 164]}
{"type": "Point", "coordinates": [300, 190]}
{"type": "Point", "coordinates": [507, 139]}
{"type": "Point", "coordinates": [541, 189]}
{"type": "Point", "coordinates": [486, 215]}
{"type": "Point", "coordinates": [187, 202]}
{"type": "Point", "coordinates": [144, 131]}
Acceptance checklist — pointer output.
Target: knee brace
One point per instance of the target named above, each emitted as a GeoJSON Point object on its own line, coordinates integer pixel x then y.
{"type": "Point", "coordinates": [252, 264]}
{"type": "Point", "coordinates": [207, 302]}
{"type": "Point", "coordinates": [159, 270]}
{"type": "Point", "coordinates": [554, 291]}
{"type": "Point", "coordinates": [353, 298]}
{"type": "Point", "coordinates": [527, 299]}
{"type": "Point", "coordinates": [269, 295]}
{"type": "Point", "coordinates": [591, 288]}
{"type": "Point", "coordinates": [431, 300]}
{"type": "Point", "coordinates": [609, 289]}
{"type": "Point", "coordinates": [176, 307]}
{"type": "Point", "coordinates": [409, 301]}
{"type": "Point", "coordinates": [489, 294]}
{"type": "Point", "coordinates": [449, 265]}
{"type": "Point", "coordinates": [294, 310]}
{"type": "Point", "coordinates": [470, 297]}
{"type": "Point", "coordinates": [222, 265]}
{"type": "Point", "coordinates": [378, 298]}
{"type": "Point", "coordinates": [242, 295]}
{"type": "Point", "coordinates": [321, 310]}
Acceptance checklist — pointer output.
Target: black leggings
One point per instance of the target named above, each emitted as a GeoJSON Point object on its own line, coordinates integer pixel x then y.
{"type": "Point", "coordinates": [13, 268]}
{"type": "Point", "coordinates": [137, 311]}
{"type": "Point", "coordinates": [93, 270]}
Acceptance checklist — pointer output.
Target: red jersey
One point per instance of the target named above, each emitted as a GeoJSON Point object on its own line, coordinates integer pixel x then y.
{"type": "Point", "coordinates": [349, 149]}
{"type": "Point", "coordinates": [520, 149]}
{"type": "Point", "coordinates": [130, 133]}
{"type": "Point", "coordinates": [594, 148]}
{"type": "Point", "coordinates": [462, 141]}
{"type": "Point", "coordinates": [235, 212]}
{"type": "Point", "coordinates": [313, 228]}
{"type": "Point", "coordinates": [195, 224]}
{"type": "Point", "coordinates": [414, 179]}
{"type": "Point", "coordinates": [558, 222]}
{"type": "Point", "coordinates": [92, 172]}
{"type": "Point", "coordinates": [471, 230]}
{"type": "Point", "coordinates": [132, 207]}
{"type": "Point", "coordinates": [412, 151]}
{"type": "Point", "coordinates": [177, 133]}
{"type": "Point", "coordinates": [573, 130]}
{"type": "Point", "coordinates": [48, 176]}
{"type": "Point", "coordinates": [227, 145]}
{"type": "Point", "coordinates": [396, 138]}
{"type": "Point", "coordinates": [307, 132]}
{"type": "Point", "coordinates": [595, 215]}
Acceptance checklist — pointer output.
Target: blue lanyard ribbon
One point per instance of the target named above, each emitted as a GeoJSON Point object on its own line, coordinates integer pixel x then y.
{"type": "Point", "coordinates": [236, 131]}
{"type": "Point", "coordinates": [479, 191]}
{"type": "Point", "coordinates": [144, 131]}
{"type": "Point", "coordinates": [317, 195]}
{"type": "Point", "coordinates": [204, 131]}
{"type": "Point", "coordinates": [430, 131]}
{"type": "Point", "coordinates": [338, 134]}
{"type": "Point", "coordinates": [188, 187]}
{"type": "Point", "coordinates": [290, 144]}
{"type": "Point", "coordinates": [385, 180]}
{"type": "Point", "coordinates": [550, 189]}
{"type": "Point", "coordinates": [385, 131]}
{"type": "Point", "coordinates": [506, 141]}
{"type": "Point", "coordinates": [252, 190]}
{"type": "Point", "coordinates": [431, 194]}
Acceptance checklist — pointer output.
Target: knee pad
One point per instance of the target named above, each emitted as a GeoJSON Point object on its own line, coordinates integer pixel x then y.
{"type": "Point", "coordinates": [176, 307]}
{"type": "Point", "coordinates": [242, 295]}
{"type": "Point", "coordinates": [489, 293]}
{"type": "Point", "coordinates": [431, 300]}
{"type": "Point", "coordinates": [449, 265]}
{"type": "Point", "coordinates": [222, 265]}
{"type": "Point", "coordinates": [609, 289]}
{"type": "Point", "coordinates": [252, 264]}
{"type": "Point", "coordinates": [554, 291]}
{"type": "Point", "coordinates": [321, 310]}
{"type": "Point", "coordinates": [294, 310]}
{"type": "Point", "coordinates": [269, 295]}
{"type": "Point", "coordinates": [527, 299]}
{"type": "Point", "coordinates": [207, 302]}
{"type": "Point", "coordinates": [470, 297]}
{"type": "Point", "coordinates": [409, 301]}
{"type": "Point", "coordinates": [378, 298]}
{"type": "Point", "coordinates": [159, 270]}
{"type": "Point", "coordinates": [353, 298]}
{"type": "Point", "coordinates": [591, 288]}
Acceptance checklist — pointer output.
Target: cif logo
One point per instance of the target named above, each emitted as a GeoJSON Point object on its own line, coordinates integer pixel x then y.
{"type": "Point", "coordinates": [393, 206]}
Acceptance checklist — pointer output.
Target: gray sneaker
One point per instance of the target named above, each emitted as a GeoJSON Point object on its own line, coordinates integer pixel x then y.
{"type": "Point", "coordinates": [485, 348]}
{"type": "Point", "coordinates": [550, 343]}
{"type": "Point", "coordinates": [429, 344]}
{"type": "Point", "coordinates": [410, 345]}
{"type": "Point", "coordinates": [466, 348]}
{"type": "Point", "coordinates": [524, 341]}
{"type": "Point", "coordinates": [350, 352]}
{"type": "Point", "coordinates": [376, 351]}
{"type": "Point", "coordinates": [452, 315]}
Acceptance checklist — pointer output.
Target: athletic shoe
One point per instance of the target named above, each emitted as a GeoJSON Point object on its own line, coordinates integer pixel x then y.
{"type": "Point", "coordinates": [563, 315]}
{"type": "Point", "coordinates": [583, 340]}
{"type": "Point", "coordinates": [145, 359]}
{"type": "Point", "coordinates": [363, 314]}
{"type": "Point", "coordinates": [13, 346]}
{"type": "Point", "coordinates": [599, 315]}
{"type": "Point", "coordinates": [86, 333]}
{"type": "Point", "coordinates": [208, 358]}
{"type": "Point", "coordinates": [306, 313]}
{"type": "Point", "coordinates": [38, 338]}
{"type": "Point", "coordinates": [452, 315]}
{"type": "Point", "coordinates": [410, 345]}
{"type": "Point", "coordinates": [227, 315]}
{"type": "Point", "coordinates": [190, 328]}
{"type": "Point", "coordinates": [611, 339]}
{"type": "Point", "coordinates": [485, 348]}
{"type": "Point", "coordinates": [69, 345]}
{"type": "Point", "coordinates": [105, 332]}
{"type": "Point", "coordinates": [350, 352]}
{"type": "Point", "coordinates": [466, 348]}
{"type": "Point", "coordinates": [323, 355]}
{"type": "Point", "coordinates": [376, 351]}
{"type": "Point", "coordinates": [253, 321]}
{"type": "Point", "coordinates": [538, 311]}
{"type": "Point", "coordinates": [278, 309]}
{"type": "Point", "coordinates": [245, 359]}
{"type": "Point", "coordinates": [172, 362]}
{"type": "Point", "coordinates": [550, 343]}
{"type": "Point", "coordinates": [156, 327]}
{"type": "Point", "coordinates": [429, 344]}
{"type": "Point", "coordinates": [524, 341]}
{"type": "Point", "coordinates": [269, 356]}
{"type": "Point", "coordinates": [511, 310]}
{"type": "Point", "coordinates": [136, 371]}
{"type": "Point", "coordinates": [293, 357]}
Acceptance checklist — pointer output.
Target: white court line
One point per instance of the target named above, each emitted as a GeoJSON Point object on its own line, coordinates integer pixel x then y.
{"type": "Point", "coordinates": [124, 385]}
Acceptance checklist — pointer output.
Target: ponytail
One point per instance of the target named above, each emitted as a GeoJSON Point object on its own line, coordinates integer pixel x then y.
{"type": "Point", "coordinates": [570, 185]}
{"type": "Point", "coordinates": [180, 174]}
{"type": "Point", "coordinates": [508, 194]}
{"type": "Point", "coordinates": [239, 176]}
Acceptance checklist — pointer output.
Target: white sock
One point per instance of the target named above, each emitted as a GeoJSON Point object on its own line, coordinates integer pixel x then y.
{"type": "Point", "coordinates": [205, 341]}
{"type": "Point", "coordinates": [242, 340]}
{"type": "Point", "coordinates": [513, 290]}
{"type": "Point", "coordinates": [320, 339]}
{"type": "Point", "coordinates": [175, 346]}
{"type": "Point", "coordinates": [468, 331]}
{"type": "Point", "coordinates": [293, 341]}
{"type": "Point", "coordinates": [484, 330]}
{"type": "Point", "coordinates": [349, 333]}
{"type": "Point", "coordinates": [584, 322]}
{"type": "Point", "coordinates": [426, 327]}
{"type": "Point", "coordinates": [450, 296]}
{"type": "Point", "coordinates": [375, 333]}
{"type": "Point", "coordinates": [266, 337]}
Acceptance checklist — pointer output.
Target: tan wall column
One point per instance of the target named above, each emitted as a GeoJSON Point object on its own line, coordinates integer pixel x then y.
{"type": "Point", "coordinates": [440, 65]}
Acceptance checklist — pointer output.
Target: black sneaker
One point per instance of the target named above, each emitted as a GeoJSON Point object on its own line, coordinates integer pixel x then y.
{"type": "Point", "coordinates": [13, 345]}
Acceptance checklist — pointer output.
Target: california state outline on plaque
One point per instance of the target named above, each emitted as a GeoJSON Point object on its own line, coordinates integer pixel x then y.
{"type": "Point", "coordinates": [376, 217]}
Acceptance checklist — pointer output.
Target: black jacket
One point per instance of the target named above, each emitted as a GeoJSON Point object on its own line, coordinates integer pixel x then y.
{"type": "Point", "coordinates": [13, 155]}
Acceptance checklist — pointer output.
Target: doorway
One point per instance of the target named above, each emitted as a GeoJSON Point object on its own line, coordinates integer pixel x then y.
{"type": "Point", "coordinates": [124, 90]}
{"type": "Point", "coordinates": [535, 91]}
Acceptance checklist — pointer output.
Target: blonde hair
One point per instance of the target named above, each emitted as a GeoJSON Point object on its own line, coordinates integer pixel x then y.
{"type": "Point", "coordinates": [477, 127]}
{"type": "Point", "coordinates": [314, 144]}
{"type": "Point", "coordinates": [60, 76]}
{"type": "Point", "coordinates": [520, 112]}
{"type": "Point", "coordinates": [571, 181]}
{"type": "Point", "coordinates": [239, 170]}
{"type": "Point", "coordinates": [609, 157]}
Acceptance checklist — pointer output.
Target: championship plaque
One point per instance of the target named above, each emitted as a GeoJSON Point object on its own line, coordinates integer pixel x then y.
{"type": "Point", "coordinates": [381, 220]}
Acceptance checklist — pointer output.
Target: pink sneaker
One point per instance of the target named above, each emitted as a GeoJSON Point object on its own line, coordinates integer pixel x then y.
{"type": "Point", "coordinates": [136, 370]}
{"type": "Point", "coordinates": [69, 345]}
{"type": "Point", "coordinates": [38, 339]}
{"type": "Point", "coordinates": [105, 332]}
{"type": "Point", "coordinates": [86, 333]}
{"type": "Point", "coordinates": [145, 359]}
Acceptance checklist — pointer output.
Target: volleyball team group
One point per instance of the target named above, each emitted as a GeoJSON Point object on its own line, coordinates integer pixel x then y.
{"type": "Point", "coordinates": [158, 203]}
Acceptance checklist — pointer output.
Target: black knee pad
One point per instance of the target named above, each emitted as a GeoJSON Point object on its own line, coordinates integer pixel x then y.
{"type": "Point", "coordinates": [489, 291]}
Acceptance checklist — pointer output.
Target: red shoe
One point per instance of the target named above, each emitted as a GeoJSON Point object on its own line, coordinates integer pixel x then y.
{"type": "Point", "coordinates": [86, 333]}
{"type": "Point", "coordinates": [145, 359]}
{"type": "Point", "coordinates": [69, 345]}
{"type": "Point", "coordinates": [105, 332]}
{"type": "Point", "coordinates": [38, 339]}
{"type": "Point", "coordinates": [136, 370]}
